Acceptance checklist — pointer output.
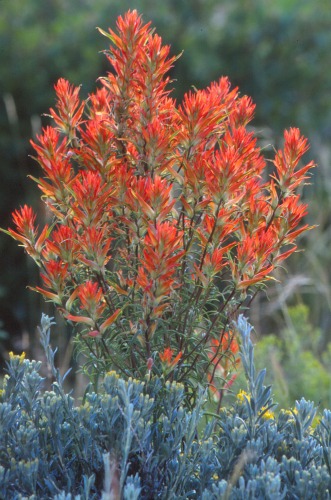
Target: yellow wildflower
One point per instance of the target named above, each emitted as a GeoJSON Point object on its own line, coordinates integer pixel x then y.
{"type": "Point", "coordinates": [20, 357]}
{"type": "Point", "coordinates": [315, 422]}
{"type": "Point", "coordinates": [286, 412]}
{"type": "Point", "coordinates": [289, 414]}
{"type": "Point", "coordinates": [241, 396]}
{"type": "Point", "coordinates": [268, 415]}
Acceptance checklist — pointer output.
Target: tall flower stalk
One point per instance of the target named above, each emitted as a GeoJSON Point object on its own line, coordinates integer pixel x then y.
{"type": "Point", "coordinates": [161, 226]}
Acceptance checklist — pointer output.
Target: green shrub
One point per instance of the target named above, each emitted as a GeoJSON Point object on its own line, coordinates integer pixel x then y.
{"type": "Point", "coordinates": [296, 366]}
{"type": "Point", "coordinates": [135, 440]}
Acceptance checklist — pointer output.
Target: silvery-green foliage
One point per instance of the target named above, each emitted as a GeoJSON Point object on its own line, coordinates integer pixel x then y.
{"type": "Point", "coordinates": [132, 488]}
{"type": "Point", "coordinates": [136, 440]}
{"type": "Point", "coordinates": [270, 458]}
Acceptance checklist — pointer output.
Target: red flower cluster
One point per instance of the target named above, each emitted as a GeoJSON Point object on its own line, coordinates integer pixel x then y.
{"type": "Point", "coordinates": [224, 356]}
{"type": "Point", "coordinates": [161, 225]}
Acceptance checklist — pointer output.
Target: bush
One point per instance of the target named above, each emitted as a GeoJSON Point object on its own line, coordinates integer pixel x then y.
{"type": "Point", "coordinates": [163, 221]}
{"type": "Point", "coordinates": [277, 53]}
{"type": "Point", "coordinates": [135, 440]}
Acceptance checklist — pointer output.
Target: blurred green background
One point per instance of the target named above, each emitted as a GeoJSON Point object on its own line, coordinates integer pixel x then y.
{"type": "Point", "coordinates": [276, 52]}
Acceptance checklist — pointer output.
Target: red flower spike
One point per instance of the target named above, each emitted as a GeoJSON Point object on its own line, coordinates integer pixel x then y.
{"type": "Point", "coordinates": [151, 197]}
{"type": "Point", "coordinates": [95, 247]}
{"type": "Point", "coordinates": [80, 319]}
{"type": "Point", "coordinates": [92, 198]}
{"type": "Point", "coordinates": [221, 363]}
{"type": "Point", "coordinates": [99, 109]}
{"type": "Point", "coordinates": [109, 321]}
{"type": "Point", "coordinates": [161, 256]}
{"type": "Point", "coordinates": [166, 357]}
{"type": "Point", "coordinates": [69, 108]}
{"type": "Point", "coordinates": [226, 342]}
{"type": "Point", "coordinates": [54, 277]}
{"type": "Point", "coordinates": [287, 160]}
{"type": "Point", "coordinates": [215, 261]}
{"type": "Point", "coordinates": [243, 112]}
{"type": "Point", "coordinates": [91, 299]}
{"type": "Point", "coordinates": [62, 244]}
{"type": "Point", "coordinates": [55, 160]}
{"type": "Point", "coordinates": [26, 232]}
{"type": "Point", "coordinates": [55, 274]}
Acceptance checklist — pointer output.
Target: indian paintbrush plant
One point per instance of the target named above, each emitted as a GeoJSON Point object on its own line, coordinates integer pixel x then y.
{"type": "Point", "coordinates": [163, 224]}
